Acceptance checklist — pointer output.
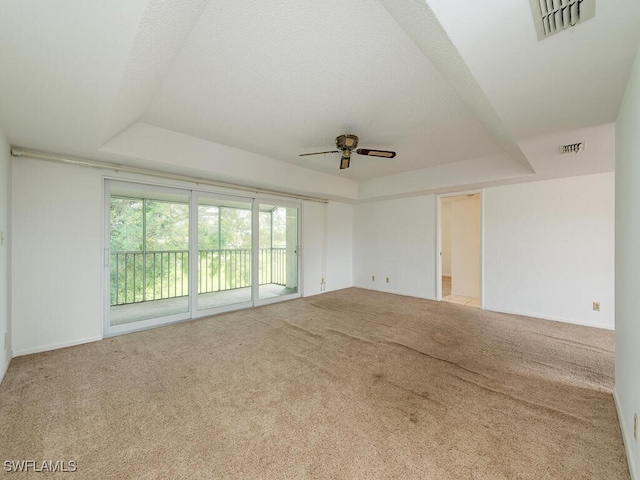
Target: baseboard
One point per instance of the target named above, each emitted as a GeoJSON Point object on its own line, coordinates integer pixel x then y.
{"type": "Point", "coordinates": [402, 294]}
{"type": "Point", "coordinates": [334, 288]}
{"type": "Point", "coordinates": [546, 317]}
{"type": "Point", "coordinates": [55, 346]}
{"type": "Point", "coordinates": [626, 437]}
{"type": "Point", "coordinates": [500, 310]}
{"type": "Point", "coordinates": [4, 368]}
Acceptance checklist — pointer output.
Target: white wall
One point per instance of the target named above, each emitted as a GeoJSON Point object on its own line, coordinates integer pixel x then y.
{"type": "Point", "coordinates": [396, 239]}
{"type": "Point", "coordinates": [313, 239]}
{"type": "Point", "coordinates": [339, 270]}
{"type": "Point", "coordinates": [627, 390]}
{"type": "Point", "coordinates": [5, 232]}
{"type": "Point", "coordinates": [335, 268]}
{"type": "Point", "coordinates": [445, 236]}
{"type": "Point", "coordinates": [549, 249]}
{"type": "Point", "coordinates": [58, 255]}
{"type": "Point", "coordinates": [465, 246]}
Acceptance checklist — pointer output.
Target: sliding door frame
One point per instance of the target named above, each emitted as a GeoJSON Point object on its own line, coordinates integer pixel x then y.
{"type": "Point", "coordinates": [110, 330]}
{"type": "Point", "coordinates": [193, 193]}
{"type": "Point", "coordinates": [256, 248]}
{"type": "Point", "coordinates": [194, 247]}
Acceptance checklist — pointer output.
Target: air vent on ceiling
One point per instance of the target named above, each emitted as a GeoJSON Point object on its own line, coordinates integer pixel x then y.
{"type": "Point", "coordinates": [554, 16]}
{"type": "Point", "coordinates": [572, 148]}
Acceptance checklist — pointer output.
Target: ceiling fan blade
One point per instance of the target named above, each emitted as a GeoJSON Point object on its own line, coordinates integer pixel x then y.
{"type": "Point", "coordinates": [376, 153]}
{"type": "Point", "coordinates": [317, 153]}
{"type": "Point", "coordinates": [344, 162]}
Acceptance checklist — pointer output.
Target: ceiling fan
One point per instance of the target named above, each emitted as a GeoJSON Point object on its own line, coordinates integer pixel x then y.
{"type": "Point", "coordinates": [347, 144]}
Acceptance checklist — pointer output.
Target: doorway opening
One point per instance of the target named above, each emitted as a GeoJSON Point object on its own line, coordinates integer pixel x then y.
{"type": "Point", "coordinates": [460, 263]}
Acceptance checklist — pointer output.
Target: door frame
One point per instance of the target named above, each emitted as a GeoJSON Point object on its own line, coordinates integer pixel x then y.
{"type": "Point", "coordinates": [257, 302]}
{"type": "Point", "coordinates": [193, 192]}
{"type": "Point", "coordinates": [194, 247]}
{"type": "Point", "coordinates": [111, 330]}
{"type": "Point", "coordinates": [439, 198]}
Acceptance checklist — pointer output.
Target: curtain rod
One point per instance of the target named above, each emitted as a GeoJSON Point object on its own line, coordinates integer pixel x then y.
{"type": "Point", "coordinates": [16, 152]}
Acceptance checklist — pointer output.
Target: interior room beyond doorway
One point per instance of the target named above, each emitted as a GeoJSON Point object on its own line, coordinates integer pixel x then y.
{"type": "Point", "coordinates": [460, 249]}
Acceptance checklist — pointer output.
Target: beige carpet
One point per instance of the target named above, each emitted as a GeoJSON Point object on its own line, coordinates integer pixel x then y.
{"type": "Point", "coordinates": [349, 384]}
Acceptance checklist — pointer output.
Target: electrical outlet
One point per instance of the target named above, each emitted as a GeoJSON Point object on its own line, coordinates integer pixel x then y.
{"type": "Point", "coordinates": [387, 279]}
{"type": "Point", "coordinates": [596, 306]}
{"type": "Point", "coordinates": [635, 426]}
{"type": "Point", "coordinates": [373, 278]}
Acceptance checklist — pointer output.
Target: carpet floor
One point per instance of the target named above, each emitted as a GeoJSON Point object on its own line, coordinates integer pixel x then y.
{"type": "Point", "coordinates": [349, 384]}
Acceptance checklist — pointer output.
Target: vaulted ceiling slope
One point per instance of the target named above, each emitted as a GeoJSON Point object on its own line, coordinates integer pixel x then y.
{"type": "Point", "coordinates": [463, 91]}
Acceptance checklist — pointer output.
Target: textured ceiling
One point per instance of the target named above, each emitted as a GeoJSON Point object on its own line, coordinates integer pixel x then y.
{"type": "Point", "coordinates": [287, 77]}
{"type": "Point", "coordinates": [164, 28]}
{"type": "Point", "coordinates": [463, 91]}
{"type": "Point", "coordinates": [570, 80]}
{"type": "Point", "coordinates": [62, 63]}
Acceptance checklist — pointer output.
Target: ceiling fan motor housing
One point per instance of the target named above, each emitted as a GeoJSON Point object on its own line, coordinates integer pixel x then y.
{"type": "Point", "coordinates": [347, 142]}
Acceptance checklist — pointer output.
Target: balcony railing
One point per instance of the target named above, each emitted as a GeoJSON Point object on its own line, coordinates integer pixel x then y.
{"type": "Point", "coordinates": [156, 275]}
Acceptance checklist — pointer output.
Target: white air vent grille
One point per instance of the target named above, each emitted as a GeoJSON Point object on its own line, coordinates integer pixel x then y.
{"type": "Point", "coordinates": [572, 148]}
{"type": "Point", "coordinates": [553, 16]}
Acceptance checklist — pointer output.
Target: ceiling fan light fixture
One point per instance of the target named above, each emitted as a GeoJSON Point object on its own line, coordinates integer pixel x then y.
{"type": "Point", "coordinates": [347, 142]}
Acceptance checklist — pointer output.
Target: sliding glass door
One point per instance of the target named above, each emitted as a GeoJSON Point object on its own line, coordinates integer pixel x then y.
{"type": "Point", "coordinates": [176, 254]}
{"type": "Point", "coordinates": [278, 251]}
{"type": "Point", "coordinates": [148, 255]}
{"type": "Point", "coordinates": [224, 260]}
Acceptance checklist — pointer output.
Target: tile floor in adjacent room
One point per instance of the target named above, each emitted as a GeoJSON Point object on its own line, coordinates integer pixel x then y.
{"type": "Point", "coordinates": [459, 299]}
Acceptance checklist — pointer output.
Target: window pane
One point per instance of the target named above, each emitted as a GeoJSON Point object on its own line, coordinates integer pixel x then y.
{"type": "Point", "coordinates": [167, 225]}
{"type": "Point", "coordinates": [224, 253]}
{"type": "Point", "coordinates": [126, 224]}
{"type": "Point", "coordinates": [278, 256]}
{"type": "Point", "coordinates": [149, 265]}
